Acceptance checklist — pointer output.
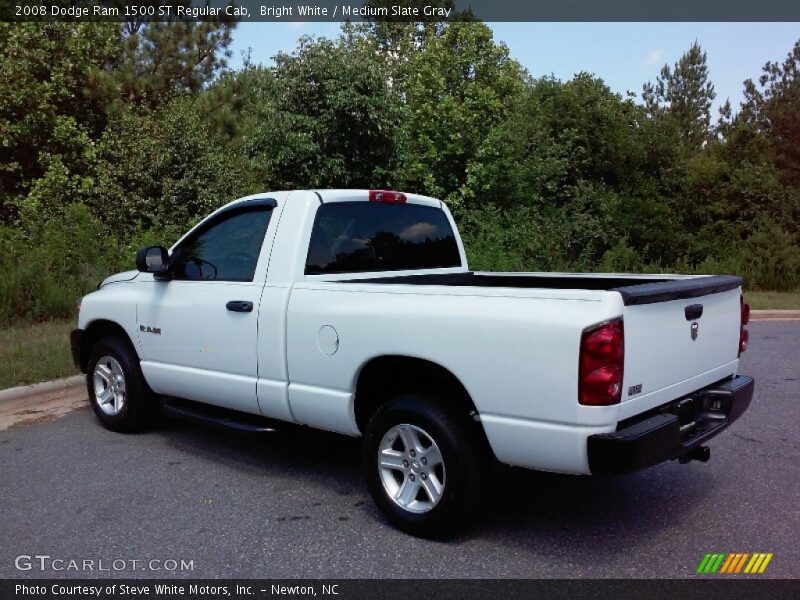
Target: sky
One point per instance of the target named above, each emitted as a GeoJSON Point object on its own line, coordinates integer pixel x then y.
{"type": "Point", "coordinates": [624, 55]}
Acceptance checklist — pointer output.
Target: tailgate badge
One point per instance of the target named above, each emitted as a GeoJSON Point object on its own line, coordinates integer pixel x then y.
{"type": "Point", "coordinates": [695, 330]}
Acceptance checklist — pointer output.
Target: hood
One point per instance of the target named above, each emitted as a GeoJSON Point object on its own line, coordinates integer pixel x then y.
{"type": "Point", "coordinates": [124, 276]}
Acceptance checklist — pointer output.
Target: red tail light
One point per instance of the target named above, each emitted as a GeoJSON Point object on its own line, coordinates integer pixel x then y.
{"type": "Point", "coordinates": [744, 335]}
{"type": "Point", "coordinates": [387, 196]}
{"type": "Point", "coordinates": [602, 358]}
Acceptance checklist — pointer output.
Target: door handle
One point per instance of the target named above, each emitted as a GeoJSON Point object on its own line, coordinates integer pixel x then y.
{"type": "Point", "coordinates": [239, 306]}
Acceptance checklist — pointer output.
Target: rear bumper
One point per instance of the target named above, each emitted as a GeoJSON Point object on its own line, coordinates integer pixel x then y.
{"type": "Point", "coordinates": [75, 339]}
{"type": "Point", "coordinates": [672, 430]}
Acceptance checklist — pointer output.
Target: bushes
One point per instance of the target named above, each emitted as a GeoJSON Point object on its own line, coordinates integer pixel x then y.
{"type": "Point", "coordinates": [621, 259]}
{"type": "Point", "coordinates": [326, 116]}
{"type": "Point", "coordinates": [166, 165]}
{"type": "Point", "coordinates": [767, 260]}
{"type": "Point", "coordinates": [529, 240]}
{"type": "Point", "coordinates": [47, 265]}
{"type": "Point", "coordinates": [150, 176]}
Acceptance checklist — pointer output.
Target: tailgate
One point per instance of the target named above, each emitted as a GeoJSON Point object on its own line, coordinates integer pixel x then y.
{"type": "Point", "coordinates": [675, 344]}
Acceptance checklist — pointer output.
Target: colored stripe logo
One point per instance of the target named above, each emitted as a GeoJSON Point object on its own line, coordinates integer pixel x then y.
{"type": "Point", "coordinates": [733, 563]}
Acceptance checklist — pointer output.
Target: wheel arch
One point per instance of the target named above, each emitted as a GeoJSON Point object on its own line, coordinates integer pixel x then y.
{"type": "Point", "coordinates": [97, 330]}
{"type": "Point", "coordinates": [384, 377]}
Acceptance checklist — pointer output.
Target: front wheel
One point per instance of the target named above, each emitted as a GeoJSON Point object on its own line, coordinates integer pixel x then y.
{"type": "Point", "coordinates": [424, 465]}
{"type": "Point", "coordinates": [119, 395]}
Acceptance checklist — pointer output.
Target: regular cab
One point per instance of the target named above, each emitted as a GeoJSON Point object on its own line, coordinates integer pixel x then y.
{"type": "Point", "coordinates": [355, 311]}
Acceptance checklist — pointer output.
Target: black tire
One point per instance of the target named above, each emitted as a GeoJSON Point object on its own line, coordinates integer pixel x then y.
{"type": "Point", "coordinates": [139, 408]}
{"type": "Point", "coordinates": [465, 460]}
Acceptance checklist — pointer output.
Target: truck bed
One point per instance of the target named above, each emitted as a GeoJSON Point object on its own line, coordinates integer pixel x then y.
{"type": "Point", "coordinates": [634, 289]}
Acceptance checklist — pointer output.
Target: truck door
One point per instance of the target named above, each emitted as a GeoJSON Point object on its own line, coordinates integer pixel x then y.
{"type": "Point", "coordinates": [198, 331]}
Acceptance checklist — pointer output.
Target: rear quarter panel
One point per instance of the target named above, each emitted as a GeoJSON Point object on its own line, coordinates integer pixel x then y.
{"type": "Point", "coordinates": [515, 351]}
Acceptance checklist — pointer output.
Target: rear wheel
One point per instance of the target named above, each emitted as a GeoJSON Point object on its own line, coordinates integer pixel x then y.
{"type": "Point", "coordinates": [424, 465]}
{"type": "Point", "coordinates": [119, 395]}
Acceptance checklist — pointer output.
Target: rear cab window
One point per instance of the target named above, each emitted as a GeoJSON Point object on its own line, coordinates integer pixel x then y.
{"type": "Point", "coordinates": [358, 237]}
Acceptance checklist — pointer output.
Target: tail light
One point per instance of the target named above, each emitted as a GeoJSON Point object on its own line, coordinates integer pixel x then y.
{"type": "Point", "coordinates": [744, 335]}
{"type": "Point", "coordinates": [600, 370]}
{"type": "Point", "coordinates": [387, 196]}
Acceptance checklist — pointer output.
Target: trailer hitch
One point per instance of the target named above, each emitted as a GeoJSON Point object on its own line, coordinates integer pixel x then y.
{"type": "Point", "coordinates": [701, 453]}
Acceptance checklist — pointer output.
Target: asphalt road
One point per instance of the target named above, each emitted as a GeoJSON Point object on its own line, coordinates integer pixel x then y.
{"type": "Point", "coordinates": [293, 504]}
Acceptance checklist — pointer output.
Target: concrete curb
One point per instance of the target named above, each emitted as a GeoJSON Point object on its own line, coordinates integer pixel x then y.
{"type": "Point", "coordinates": [764, 315]}
{"type": "Point", "coordinates": [56, 385]}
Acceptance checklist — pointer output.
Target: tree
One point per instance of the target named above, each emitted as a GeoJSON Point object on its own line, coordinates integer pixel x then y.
{"type": "Point", "coordinates": [164, 165]}
{"type": "Point", "coordinates": [579, 168]}
{"type": "Point", "coordinates": [159, 59]}
{"type": "Point", "coordinates": [325, 116]}
{"type": "Point", "coordinates": [60, 81]}
{"type": "Point", "coordinates": [397, 39]}
{"type": "Point", "coordinates": [396, 35]}
{"type": "Point", "coordinates": [774, 108]}
{"type": "Point", "coordinates": [684, 93]}
{"type": "Point", "coordinates": [459, 85]}
{"type": "Point", "coordinates": [49, 104]}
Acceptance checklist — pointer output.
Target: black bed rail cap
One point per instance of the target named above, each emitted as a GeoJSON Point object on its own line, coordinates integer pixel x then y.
{"type": "Point", "coordinates": [677, 289]}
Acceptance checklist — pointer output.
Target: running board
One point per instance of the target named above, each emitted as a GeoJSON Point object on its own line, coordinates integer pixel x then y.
{"type": "Point", "coordinates": [214, 416]}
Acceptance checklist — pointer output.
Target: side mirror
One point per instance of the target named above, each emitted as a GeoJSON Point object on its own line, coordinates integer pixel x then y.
{"type": "Point", "coordinates": [153, 259]}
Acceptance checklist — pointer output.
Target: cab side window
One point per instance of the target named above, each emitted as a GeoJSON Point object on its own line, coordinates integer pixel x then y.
{"type": "Point", "coordinates": [225, 249]}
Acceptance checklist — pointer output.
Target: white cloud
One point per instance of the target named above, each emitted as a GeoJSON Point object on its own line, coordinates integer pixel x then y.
{"type": "Point", "coordinates": [295, 25]}
{"type": "Point", "coordinates": [418, 232]}
{"type": "Point", "coordinates": [654, 56]}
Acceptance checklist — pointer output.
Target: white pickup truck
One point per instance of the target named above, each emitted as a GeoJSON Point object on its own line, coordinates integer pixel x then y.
{"type": "Point", "coordinates": [355, 312]}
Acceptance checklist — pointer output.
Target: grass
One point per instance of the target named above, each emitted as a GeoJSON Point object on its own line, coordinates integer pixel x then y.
{"type": "Point", "coordinates": [773, 300]}
{"type": "Point", "coordinates": [35, 352]}
{"type": "Point", "coordinates": [31, 353]}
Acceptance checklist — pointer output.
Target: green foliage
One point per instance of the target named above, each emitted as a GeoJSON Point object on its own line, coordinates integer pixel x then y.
{"type": "Point", "coordinates": [157, 60]}
{"type": "Point", "coordinates": [325, 116]}
{"type": "Point", "coordinates": [166, 165]}
{"type": "Point", "coordinates": [399, 41]}
{"type": "Point", "coordinates": [50, 104]}
{"type": "Point", "coordinates": [47, 265]}
{"type": "Point", "coordinates": [774, 107]}
{"type": "Point", "coordinates": [684, 94]}
{"type": "Point", "coordinates": [580, 157]}
{"type": "Point", "coordinates": [771, 258]}
{"type": "Point", "coordinates": [457, 86]}
{"type": "Point", "coordinates": [88, 171]}
{"type": "Point", "coordinates": [115, 137]}
{"type": "Point", "coordinates": [621, 259]}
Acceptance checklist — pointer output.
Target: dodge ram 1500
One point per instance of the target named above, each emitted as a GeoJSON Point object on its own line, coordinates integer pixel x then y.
{"type": "Point", "coordinates": [355, 312]}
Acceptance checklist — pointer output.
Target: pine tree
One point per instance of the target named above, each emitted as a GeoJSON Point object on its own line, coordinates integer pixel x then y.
{"type": "Point", "coordinates": [773, 107]}
{"type": "Point", "coordinates": [161, 59]}
{"type": "Point", "coordinates": [684, 93]}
